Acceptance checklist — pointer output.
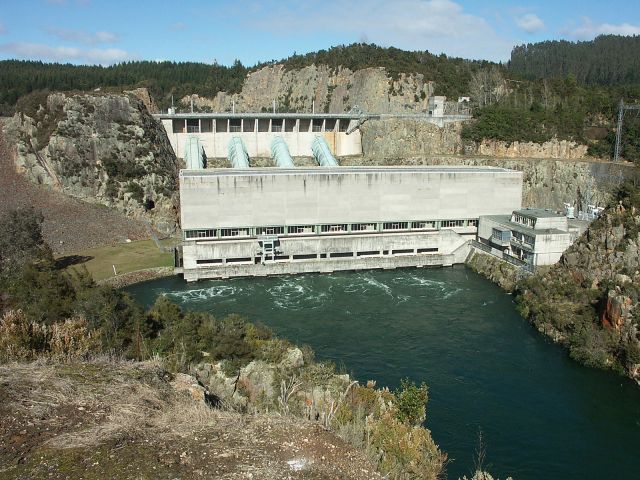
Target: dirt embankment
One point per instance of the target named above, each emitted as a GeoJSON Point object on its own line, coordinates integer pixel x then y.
{"type": "Point", "coordinates": [122, 420]}
{"type": "Point", "coordinates": [70, 225]}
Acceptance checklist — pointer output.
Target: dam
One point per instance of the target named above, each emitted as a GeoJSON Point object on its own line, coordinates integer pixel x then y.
{"type": "Point", "coordinates": [269, 221]}
{"type": "Point", "coordinates": [341, 131]}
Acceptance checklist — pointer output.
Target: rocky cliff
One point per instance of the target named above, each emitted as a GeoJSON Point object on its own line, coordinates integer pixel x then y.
{"type": "Point", "coordinates": [333, 91]}
{"type": "Point", "coordinates": [589, 301]}
{"type": "Point", "coordinates": [404, 137]}
{"type": "Point", "coordinates": [100, 148]}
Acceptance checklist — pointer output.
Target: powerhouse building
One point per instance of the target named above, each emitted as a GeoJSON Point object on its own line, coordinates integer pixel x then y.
{"type": "Point", "coordinates": [265, 221]}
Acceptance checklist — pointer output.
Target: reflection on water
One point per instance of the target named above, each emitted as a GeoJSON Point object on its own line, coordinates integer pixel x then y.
{"type": "Point", "coordinates": [542, 416]}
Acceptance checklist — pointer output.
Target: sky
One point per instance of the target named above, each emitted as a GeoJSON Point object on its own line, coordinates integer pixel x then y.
{"type": "Point", "coordinates": [106, 32]}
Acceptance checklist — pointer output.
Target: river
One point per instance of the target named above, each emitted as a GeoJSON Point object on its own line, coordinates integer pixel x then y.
{"type": "Point", "coordinates": [541, 415]}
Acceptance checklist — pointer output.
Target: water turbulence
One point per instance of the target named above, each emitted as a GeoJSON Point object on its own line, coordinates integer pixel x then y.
{"type": "Point", "coordinates": [541, 415]}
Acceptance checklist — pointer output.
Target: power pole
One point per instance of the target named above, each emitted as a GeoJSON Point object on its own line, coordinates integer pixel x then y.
{"type": "Point", "coordinates": [621, 109]}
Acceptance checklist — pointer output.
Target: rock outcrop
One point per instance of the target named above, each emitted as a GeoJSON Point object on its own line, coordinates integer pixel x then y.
{"type": "Point", "coordinates": [101, 148]}
{"type": "Point", "coordinates": [589, 300]}
{"type": "Point", "coordinates": [498, 271]}
{"type": "Point", "coordinates": [332, 91]}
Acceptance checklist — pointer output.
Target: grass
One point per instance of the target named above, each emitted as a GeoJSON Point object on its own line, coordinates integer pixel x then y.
{"type": "Point", "coordinates": [127, 257]}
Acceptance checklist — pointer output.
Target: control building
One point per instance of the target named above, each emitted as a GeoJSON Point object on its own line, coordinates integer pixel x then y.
{"type": "Point", "coordinates": [266, 221]}
{"type": "Point", "coordinates": [534, 235]}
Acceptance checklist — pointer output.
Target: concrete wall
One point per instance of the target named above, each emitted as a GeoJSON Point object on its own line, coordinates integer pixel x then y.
{"type": "Point", "coordinates": [382, 251]}
{"type": "Point", "coordinates": [262, 197]}
{"type": "Point", "coordinates": [258, 143]}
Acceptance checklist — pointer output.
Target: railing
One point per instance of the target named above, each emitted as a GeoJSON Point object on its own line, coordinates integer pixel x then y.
{"type": "Point", "coordinates": [193, 129]}
{"type": "Point", "coordinates": [502, 256]}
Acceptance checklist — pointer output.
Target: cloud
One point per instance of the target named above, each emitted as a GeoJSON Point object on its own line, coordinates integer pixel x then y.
{"type": "Point", "coordinates": [434, 25]}
{"type": "Point", "coordinates": [3, 30]}
{"type": "Point", "coordinates": [82, 36]}
{"type": "Point", "coordinates": [38, 51]}
{"type": "Point", "coordinates": [588, 30]}
{"type": "Point", "coordinates": [530, 23]}
{"type": "Point", "coordinates": [175, 27]}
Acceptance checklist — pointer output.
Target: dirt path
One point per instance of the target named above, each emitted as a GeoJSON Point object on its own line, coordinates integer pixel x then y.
{"type": "Point", "coordinates": [70, 225]}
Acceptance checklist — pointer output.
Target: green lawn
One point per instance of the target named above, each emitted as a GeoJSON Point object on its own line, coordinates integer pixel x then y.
{"type": "Point", "coordinates": [127, 257]}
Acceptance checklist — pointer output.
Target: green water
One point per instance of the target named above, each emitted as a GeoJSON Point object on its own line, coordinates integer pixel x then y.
{"type": "Point", "coordinates": [541, 415]}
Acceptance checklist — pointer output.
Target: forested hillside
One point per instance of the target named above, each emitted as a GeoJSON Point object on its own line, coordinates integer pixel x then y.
{"type": "Point", "coordinates": [163, 79]}
{"type": "Point", "coordinates": [606, 60]}
{"type": "Point", "coordinates": [553, 89]}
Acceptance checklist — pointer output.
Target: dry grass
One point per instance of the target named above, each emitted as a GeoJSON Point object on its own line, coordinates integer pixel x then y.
{"type": "Point", "coordinates": [116, 419]}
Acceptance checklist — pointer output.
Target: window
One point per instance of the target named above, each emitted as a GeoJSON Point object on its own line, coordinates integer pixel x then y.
{"type": "Point", "coordinates": [359, 227]}
{"type": "Point", "coordinates": [269, 230]}
{"type": "Point", "coordinates": [333, 228]}
{"type": "Point", "coordinates": [193, 125]}
{"type": "Point", "coordinates": [402, 251]}
{"type": "Point", "coordinates": [522, 220]}
{"type": "Point", "coordinates": [473, 223]}
{"type": "Point", "coordinates": [235, 125]}
{"type": "Point", "coordinates": [190, 234]}
{"type": "Point", "coordinates": [305, 256]}
{"type": "Point", "coordinates": [368, 253]}
{"type": "Point", "coordinates": [248, 125]}
{"type": "Point", "coordinates": [209, 262]}
{"type": "Point", "coordinates": [395, 226]}
{"type": "Point", "coordinates": [301, 229]}
{"type": "Point", "coordinates": [289, 125]}
{"type": "Point", "coordinates": [452, 223]}
{"type": "Point", "coordinates": [423, 225]}
{"type": "Point", "coordinates": [234, 232]}
{"type": "Point", "coordinates": [316, 125]}
{"type": "Point", "coordinates": [239, 260]}
{"type": "Point", "coordinates": [427, 250]}
{"type": "Point", "coordinates": [341, 254]}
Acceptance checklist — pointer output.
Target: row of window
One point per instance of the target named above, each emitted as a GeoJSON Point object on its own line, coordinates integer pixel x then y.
{"type": "Point", "coordinates": [523, 238]}
{"type": "Point", "coordinates": [314, 256]}
{"type": "Point", "coordinates": [334, 228]}
{"type": "Point", "coordinates": [249, 125]}
{"type": "Point", "coordinates": [522, 220]}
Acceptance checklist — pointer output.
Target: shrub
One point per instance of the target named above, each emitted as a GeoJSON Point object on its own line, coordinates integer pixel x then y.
{"type": "Point", "coordinates": [411, 402]}
{"type": "Point", "coordinates": [23, 340]}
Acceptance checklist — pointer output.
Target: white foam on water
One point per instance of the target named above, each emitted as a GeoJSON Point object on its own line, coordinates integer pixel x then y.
{"type": "Point", "coordinates": [445, 289]}
{"type": "Point", "coordinates": [203, 294]}
{"type": "Point", "coordinates": [377, 284]}
{"type": "Point", "coordinates": [291, 295]}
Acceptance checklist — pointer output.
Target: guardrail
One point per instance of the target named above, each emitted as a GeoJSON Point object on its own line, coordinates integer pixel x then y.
{"type": "Point", "coordinates": [502, 255]}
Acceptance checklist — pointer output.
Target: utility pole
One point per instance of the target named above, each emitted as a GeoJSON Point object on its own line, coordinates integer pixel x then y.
{"type": "Point", "coordinates": [621, 109]}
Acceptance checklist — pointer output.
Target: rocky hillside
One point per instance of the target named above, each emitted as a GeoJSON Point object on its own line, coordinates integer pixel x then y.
{"type": "Point", "coordinates": [332, 90]}
{"type": "Point", "coordinates": [100, 148]}
{"type": "Point", "coordinates": [118, 420]}
{"type": "Point", "coordinates": [589, 301]}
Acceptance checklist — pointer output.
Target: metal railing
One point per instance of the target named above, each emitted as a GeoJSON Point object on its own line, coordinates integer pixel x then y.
{"type": "Point", "coordinates": [502, 255]}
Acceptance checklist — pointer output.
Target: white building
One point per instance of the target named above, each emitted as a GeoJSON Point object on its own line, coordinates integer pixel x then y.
{"type": "Point", "coordinates": [263, 221]}
{"type": "Point", "coordinates": [537, 236]}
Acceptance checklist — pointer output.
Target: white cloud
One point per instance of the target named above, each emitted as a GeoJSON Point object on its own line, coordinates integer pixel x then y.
{"type": "Point", "coordinates": [38, 51]}
{"type": "Point", "coordinates": [434, 25]}
{"type": "Point", "coordinates": [174, 27]}
{"type": "Point", "coordinates": [588, 30]}
{"type": "Point", "coordinates": [530, 23]}
{"type": "Point", "coordinates": [82, 36]}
